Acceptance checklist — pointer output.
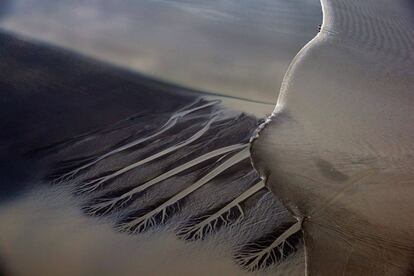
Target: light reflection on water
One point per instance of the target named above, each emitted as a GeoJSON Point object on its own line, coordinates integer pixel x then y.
{"type": "Point", "coordinates": [231, 47]}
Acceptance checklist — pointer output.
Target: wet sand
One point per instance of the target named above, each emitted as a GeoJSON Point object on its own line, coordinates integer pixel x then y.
{"type": "Point", "coordinates": [339, 148]}
{"type": "Point", "coordinates": [105, 172]}
{"type": "Point", "coordinates": [158, 194]}
{"type": "Point", "coordinates": [44, 233]}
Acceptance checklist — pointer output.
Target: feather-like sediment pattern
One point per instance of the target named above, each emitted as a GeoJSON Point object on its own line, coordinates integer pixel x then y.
{"type": "Point", "coordinates": [142, 223]}
{"type": "Point", "coordinates": [169, 124]}
{"type": "Point", "coordinates": [270, 250]}
{"type": "Point", "coordinates": [228, 214]}
{"type": "Point", "coordinates": [188, 172]}
{"type": "Point", "coordinates": [106, 206]}
{"type": "Point", "coordinates": [93, 184]}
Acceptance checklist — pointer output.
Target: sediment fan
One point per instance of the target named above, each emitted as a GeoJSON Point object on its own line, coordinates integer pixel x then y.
{"type": "Point", "coordinates": [152, 170]}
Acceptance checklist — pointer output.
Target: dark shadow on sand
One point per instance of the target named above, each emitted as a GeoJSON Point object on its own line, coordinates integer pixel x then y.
{"type": "Point", "coordinates": [49, 94]}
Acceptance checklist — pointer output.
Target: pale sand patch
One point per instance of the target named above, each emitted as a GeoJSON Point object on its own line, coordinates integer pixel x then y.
{"type": "Point", "coordinates": [45, 233]}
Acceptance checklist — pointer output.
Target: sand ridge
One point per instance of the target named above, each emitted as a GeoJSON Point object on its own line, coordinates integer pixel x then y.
{"type": "Point", "coordinates": [345, 108]}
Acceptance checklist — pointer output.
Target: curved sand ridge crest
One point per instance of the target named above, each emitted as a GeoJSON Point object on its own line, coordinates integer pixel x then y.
{"type": "Point", "coordinates": [339, 148]}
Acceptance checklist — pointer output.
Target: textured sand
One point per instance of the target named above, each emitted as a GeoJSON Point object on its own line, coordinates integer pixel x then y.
{"type": "Point", "coordinates": [339, 149]}
{"type": "Point", "coordinates": [60, 110]}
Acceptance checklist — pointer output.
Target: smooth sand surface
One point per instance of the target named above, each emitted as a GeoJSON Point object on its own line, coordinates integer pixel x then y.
{"type": "Point", "coordinates": [339, 149]}
{"type": "Point", "coordinates": [234, 48]}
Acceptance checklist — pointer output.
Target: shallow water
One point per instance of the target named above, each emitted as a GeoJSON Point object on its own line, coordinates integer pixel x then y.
{"type": "Point", "coordinates": [236, 48]}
